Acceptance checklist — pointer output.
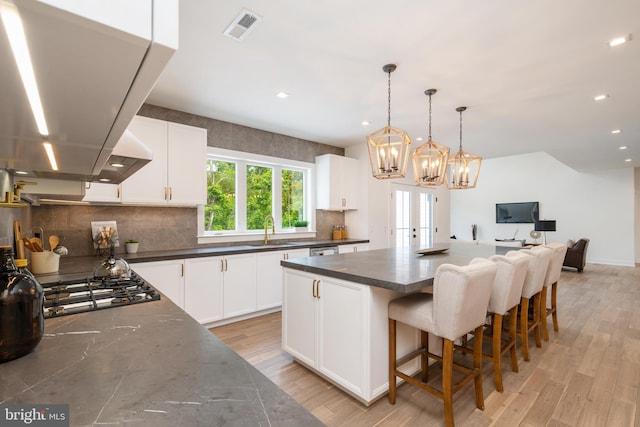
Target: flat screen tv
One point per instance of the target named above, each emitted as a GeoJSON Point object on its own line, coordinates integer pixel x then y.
{"type": "Point", "coordinates": [517, 213]}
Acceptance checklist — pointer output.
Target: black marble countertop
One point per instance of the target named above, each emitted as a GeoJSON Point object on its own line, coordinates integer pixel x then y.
{"type": "Point", "coordinates": [397, 269]}
{"type": "Point", "coordinates": [146, 364]}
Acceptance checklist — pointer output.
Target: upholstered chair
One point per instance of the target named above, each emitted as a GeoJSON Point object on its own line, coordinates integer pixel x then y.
{"type": "Point", "coordinates": [576, 256]}
{"type": "Point", "coordinates": [539, 258]}
{"type": "Point", "coordinates": [505, 298]}
{"type": "Point", "coordinates": [457, 306]}
{"type": "Point", "coordinates": [551, 281]}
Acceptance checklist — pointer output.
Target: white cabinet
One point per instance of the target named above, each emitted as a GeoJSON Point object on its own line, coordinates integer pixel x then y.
{"type": "Point", "coordinates": [336, 178]}
{"type": "Point", "coordinates": [239, 284]}
{"type": "Point", "coordinates": [165, 276]}
{"type": "Point", "coordinates": [325, 327]}
{"type": "Point", "coordinates": [357, 247]}
{"type": "Point", "coordinates": [176, 175]}
{"type": "Point", "coordinates": [269, 276]}
{"type": "Point", "coordinates": [101, 192]}
{"type": "Point", "coordinates": [203, 291]}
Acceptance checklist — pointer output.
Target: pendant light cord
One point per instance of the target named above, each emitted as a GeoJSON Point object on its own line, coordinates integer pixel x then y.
{"type": "Point", "coordinates": [461, 130]}
{"type": "Point", "coordinates": [429, 117]}
{"type": "Point", "coordinates": [389, 100]}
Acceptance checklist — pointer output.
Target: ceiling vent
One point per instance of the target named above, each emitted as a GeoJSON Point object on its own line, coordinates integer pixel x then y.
{"type": "Point", "coordinates": [244, 23]}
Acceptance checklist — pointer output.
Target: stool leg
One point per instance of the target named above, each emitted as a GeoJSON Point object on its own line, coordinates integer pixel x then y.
{"type": "Point", "coordinates": [543, 313]}
{"type": "Point", "coordinates": [447, 379]}
{"type": "Point", "coordinates": [554, 308]}
{"type": "Point", "coordinates": [536, 319]}
{"type": "Point", "coordinates": [424, 339]}
{"type": "Point", "coordinates": [392, 361]}
{"type": "Point", "coordinates": [477, 366]}
{"type": "Point", "coordinates": [524, 327]}
{"type": "Point", "coordinates": [497, 356]}
{"type": "Point", "coordinates": [513, 324]}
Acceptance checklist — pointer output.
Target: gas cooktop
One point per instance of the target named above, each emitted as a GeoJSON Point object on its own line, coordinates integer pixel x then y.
{"type": "Point", "coordinates": [77, 296]}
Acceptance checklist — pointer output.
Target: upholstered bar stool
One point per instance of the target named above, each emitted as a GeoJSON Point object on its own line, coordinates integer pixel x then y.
{"type": "Point", "coordinates": [539, 258]}
{"type": "Point", "coordinates": [551, 280]}
{"type": "Point", "coordinates": [505, 298]}
{"type": "Point", "coordinates": [457, 306]}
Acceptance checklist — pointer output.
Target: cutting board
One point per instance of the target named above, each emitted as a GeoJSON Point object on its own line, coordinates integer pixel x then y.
{"type": "Point", "coordinates": [17, 231]}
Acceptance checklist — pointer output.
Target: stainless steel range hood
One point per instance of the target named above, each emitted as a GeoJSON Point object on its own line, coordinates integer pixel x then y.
{"type": "Point", "coordinates": [94, 66]}
{"type": "Point", "coordinates": [129, 155]}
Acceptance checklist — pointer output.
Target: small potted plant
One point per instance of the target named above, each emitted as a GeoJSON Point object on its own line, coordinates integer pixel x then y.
{"type": "Point", "coordinates": [131, 246]}
{"type": "Point", "coordinates": [301, 225]}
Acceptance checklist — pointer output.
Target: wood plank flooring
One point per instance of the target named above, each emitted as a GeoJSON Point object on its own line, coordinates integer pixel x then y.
{"type": "Point", "coordinates": [587, 374]}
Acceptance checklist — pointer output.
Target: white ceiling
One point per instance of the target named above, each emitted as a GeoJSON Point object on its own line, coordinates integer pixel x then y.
{"type": "Point", "coordinates": [527, 71]}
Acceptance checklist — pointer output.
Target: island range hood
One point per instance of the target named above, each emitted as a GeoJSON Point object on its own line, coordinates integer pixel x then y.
{"type": "Point", "coordinates": [94, 66]}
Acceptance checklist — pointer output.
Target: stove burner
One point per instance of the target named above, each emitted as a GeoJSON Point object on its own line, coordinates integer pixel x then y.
{"type": "Point", "coordinates": [77, 296]}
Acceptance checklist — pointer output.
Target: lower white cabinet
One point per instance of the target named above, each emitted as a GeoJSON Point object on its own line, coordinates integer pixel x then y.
{"type": "Point", "coordinates": [269, 274]}
{"type": "Point", "coordinates": [203, 290]}
{"type": "Point", "coordinates": [239, 284]}
{"type": "Point", "coordinates": [357, 247]}
{"type": "Point", "coordinates": [165, 276]}
{"type": "Point", "coordinates": [325, 327]}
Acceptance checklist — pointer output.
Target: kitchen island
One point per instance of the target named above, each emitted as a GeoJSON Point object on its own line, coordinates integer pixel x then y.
{"type": "Point", "coordinates": [334, 311]}
{"type": "Point", "coordinates": [145, 364]}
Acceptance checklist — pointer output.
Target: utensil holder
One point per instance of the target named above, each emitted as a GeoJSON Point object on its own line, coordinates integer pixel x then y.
{"type": "Point", "coordinates": [44, 262]}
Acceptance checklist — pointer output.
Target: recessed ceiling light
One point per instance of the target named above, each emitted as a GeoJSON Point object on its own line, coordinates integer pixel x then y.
{"type": "Point", "coordinates": [601, 97]}
{"type": "Point", "coordinates": [616, 131]}
{"type": "Point", "coordinates": [282, 95]}
{"type": "Point", "coordinates": [619, 40]}
{"type": "Point", "coordinates": [22, 173]}
{"type": "Point", "coordinates": [104, 180]}
{"type": "Point", "coordinates": [117, 165]}
{"type": "Point", "coordinates": [622, 147]}
{"type": "Point", "coordinates": [627, 160]}
{"type": "Point", "coordinates": [365, 123]}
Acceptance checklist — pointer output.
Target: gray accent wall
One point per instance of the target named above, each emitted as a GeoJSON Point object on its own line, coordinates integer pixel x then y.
{"type": "Point", "coordinates": [160, 228]}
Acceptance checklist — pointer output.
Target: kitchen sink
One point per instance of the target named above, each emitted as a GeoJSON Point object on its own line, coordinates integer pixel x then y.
{"type": "Point", "coordinates": [274, 245]}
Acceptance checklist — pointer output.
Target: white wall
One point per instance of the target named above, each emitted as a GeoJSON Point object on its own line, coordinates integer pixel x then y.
{"type": "Point", "coordinates": [599, 205]}
{"type": "Point", "coordinates": [371, 219]}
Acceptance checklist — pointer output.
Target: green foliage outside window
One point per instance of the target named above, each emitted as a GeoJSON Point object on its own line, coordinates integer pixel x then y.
{"type": "Point", "coordinates": [259, 185]}
{"type": "Point", "coordinates": [220, 210]}
{"type": "Point", "coordinates": [292, 197]}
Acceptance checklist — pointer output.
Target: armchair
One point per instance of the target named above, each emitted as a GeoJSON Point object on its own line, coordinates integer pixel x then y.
{"type": "Point", "coordinates": [576, 255]}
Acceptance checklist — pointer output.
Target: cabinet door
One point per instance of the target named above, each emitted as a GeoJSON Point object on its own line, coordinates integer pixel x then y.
{"type": "Point", "coordinates": [187, 159]}
{"type": "Point", "coordinates": [149, 184]}
{"type": "Point", "coordinates": [350, 179]}
{"type": "Point", "coordinates": [299, 317]}
{"type": "Point", "coordinates": [337, 178]}
{"type": "Point", "coordinates": [165, 276]}
{"type": "Point", "coordinates": [101, 192]}
{"type": "Point", "coordinates": [269, 279]}
{"type": "Point", "coordinates": [239, 284]}
{"type": "Point", "coordinates": [342, 332]}
{"type": "Point", "coordinates": [203, 288]}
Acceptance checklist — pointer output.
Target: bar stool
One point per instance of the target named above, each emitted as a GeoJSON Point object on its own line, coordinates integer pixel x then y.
{"type": "Point", "coordinates": [551, 279]}
{"type": "Point", "coordinates": [539, 258]}
{"type": "Point", "coordinates": [457, 306]}
{"type": "Point", "coordinates": [505, 297]}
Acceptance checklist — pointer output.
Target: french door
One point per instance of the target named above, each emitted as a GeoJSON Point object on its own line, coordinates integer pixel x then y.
{"type": "Point", "coordinates": [411, 216]}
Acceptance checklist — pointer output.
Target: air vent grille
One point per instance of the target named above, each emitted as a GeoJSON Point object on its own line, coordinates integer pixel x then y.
{"type": "Point", "coordinates": [242, 25]}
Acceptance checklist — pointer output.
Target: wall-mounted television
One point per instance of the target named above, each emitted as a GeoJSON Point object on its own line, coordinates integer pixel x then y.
{"type": "Point", "coordinates": [517, 213]}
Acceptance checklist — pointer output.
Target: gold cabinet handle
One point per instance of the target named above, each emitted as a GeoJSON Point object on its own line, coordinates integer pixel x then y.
{"type": "Point", "coordinates": [226, 264]}
{"type": "Point", "coordinates": [118, 192]}
{"type": "Point", "coordinates": [318, 289]}
{"type": "Point", "coordinates": [313, 288]}
{"type": "Point", "coordinates": [165, 193]}
{"type": "Point", "coordinates": [170, 193]}
{"type": "Point", "coordinates": [221, 265]}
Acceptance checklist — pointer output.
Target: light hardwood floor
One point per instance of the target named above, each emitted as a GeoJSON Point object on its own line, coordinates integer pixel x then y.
{"type": "Point", "coordinates": [588, 374]}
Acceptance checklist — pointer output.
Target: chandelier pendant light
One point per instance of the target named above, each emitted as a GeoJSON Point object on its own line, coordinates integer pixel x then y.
{"type": "Point", "coordinates": [389, 146]}
{"type": "Point", "coordinates": [430, 159]}
{"type": "Point", "coordinates": [463, 167]}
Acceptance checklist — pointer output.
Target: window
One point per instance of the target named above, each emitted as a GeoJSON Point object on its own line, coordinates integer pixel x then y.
{"type": "Point", "coordinates": [243, 190]}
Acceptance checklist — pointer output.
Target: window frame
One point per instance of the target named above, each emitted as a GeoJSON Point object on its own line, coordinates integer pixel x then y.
{"type": "Point", "coordinates": [242, 159]}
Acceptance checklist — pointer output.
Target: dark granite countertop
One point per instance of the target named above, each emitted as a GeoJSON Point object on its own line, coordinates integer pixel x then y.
{"type": "Point", "coordinates": [397, 269]}
{"type": "Point", "coordinates": [145, 364]}
{"type": "Point", "coordinates": [73, 267]}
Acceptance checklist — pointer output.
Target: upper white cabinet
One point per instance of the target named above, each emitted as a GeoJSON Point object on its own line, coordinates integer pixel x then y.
{"type": "Point", "coordinates": [336, 178]}
{"type": "Point", "coordinates": [176, 175]}
{"type": "Point", "coordinates": [101, 192]}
